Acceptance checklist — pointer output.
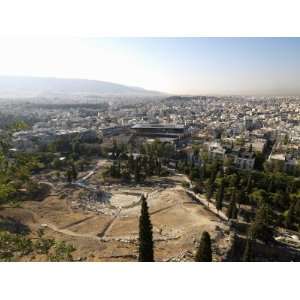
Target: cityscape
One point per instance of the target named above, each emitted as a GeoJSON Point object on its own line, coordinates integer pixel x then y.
{"type": "Point", "coordinates": [97, 171]}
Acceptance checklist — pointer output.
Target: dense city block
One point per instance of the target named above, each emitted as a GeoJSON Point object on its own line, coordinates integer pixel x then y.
{"type": "Point", "coordinates": [164, 178]}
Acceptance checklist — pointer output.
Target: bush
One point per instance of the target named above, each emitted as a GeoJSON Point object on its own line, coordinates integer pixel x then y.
{"type": "Point", "coordinates": [185, 184]}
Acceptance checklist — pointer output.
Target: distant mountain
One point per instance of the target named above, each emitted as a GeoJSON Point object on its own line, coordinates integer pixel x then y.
{"type": "Point", "coordinates": [19, 86]}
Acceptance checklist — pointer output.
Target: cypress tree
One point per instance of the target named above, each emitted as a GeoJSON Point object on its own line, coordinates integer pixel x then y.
{"type": "Point", "coordinates": [240, 197]}
{"type": "Point", "coordinates": [69, 176]}
{"type": "Point", "coordinates": [234, 214]}
{"type": "Point", "coordinates": [290, 216]}
{"type": "Point", "coordinates": [202, 171]}
{"type": "Point", "coordinates": [137, 171]}
{"type": "Point", "coordinates": [209, 191]}
{"type": "Point", "coordinates": [220, 196]}
{"type": "Point", "coordinates": [235, 254]}
{"type": "Point", "coordinates": [220, 174]}
{"type": "Point", "coordinates": [74, 172]}
{"type": "Point", "coordinates": [249, 184]}
{"type": "Point", "coordinates": [297, 210]}
{"type": "Point", "coordinates": [119, 169]}
{"type": "Point", "coordinates": [271, 185]}
{"type": "Point", "coordinates": [145, 234]}
{"type": "Point", "coordinates": [232, 209]}
{"type": "Point", "coordinates": [113, 170]}
{"type": "Point", "coordinates": [158, 166]}
{"type": "Point", "coordinates": [229, 210]}
{"type": "Point", "coordinates": [131, 163]}
{"type": "Point", "coordinates": [204, 253]}
{"type": "Point", "coordinates": [248, 252]}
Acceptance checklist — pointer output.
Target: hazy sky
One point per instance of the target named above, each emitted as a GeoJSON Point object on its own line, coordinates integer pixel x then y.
{"type": "Point", "coordinates": [174, 65]}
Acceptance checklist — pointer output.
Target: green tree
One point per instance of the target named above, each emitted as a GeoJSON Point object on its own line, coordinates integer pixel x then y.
{"type": "Point", "coordinates": [261, 227]}
{"type": "Point", "coordinates": [69, 175]}
{"type": "Point", "coordinates": [137, 170]}
{"type": "Point", "coordinates": [249, 184]}
{"type": "Point", "coordinates": [209, 190]}
{"type": "Point", "coordinates": [74, 172]}
{"type": "Point", "coordinates": [145, 234]}
{"type": "Point", "coordinates": [204, 253]}
{"type": "Point", "coordinates": [248, 255]}
{"type": "Point", "coordinates": [290, 216]}
{"type": "Point", "coordinates": [240, 197]}
{"type": "Point", "coordinates": [130, 163]}
{"type": "Point", "coordinates": [15, 170]}
{"type": "Point", "coordinates": [259, 197]}
{"type": "Point", "coordinates": [232, 209]}
{"type": "Point", "coordinates": [297, 210]}
{"type": "Point", "coordinates": [158, 167]}
{"type": "Point", "coordinates": [62, 252]}
{"type": "Point", "coordinates": [220, 196]}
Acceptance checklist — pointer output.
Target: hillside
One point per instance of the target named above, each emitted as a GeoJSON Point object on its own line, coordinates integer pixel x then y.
{"type": "Point", "coordinates": [18, 86]}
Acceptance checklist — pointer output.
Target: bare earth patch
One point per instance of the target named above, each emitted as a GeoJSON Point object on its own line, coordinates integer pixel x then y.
{"type": "Point", "coordinates": [177, 223]}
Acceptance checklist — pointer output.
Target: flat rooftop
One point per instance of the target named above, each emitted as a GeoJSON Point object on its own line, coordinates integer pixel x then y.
{"type": "Point", "coordinates": [158, 126]}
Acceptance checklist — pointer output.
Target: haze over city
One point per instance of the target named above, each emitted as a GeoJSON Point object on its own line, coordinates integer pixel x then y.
{"type": "Point", "coordinates": [147, 142]}
{"type": "Point", "coordinates": [106, 156]}
{"type": "Point", "coordinates": [237, 66]}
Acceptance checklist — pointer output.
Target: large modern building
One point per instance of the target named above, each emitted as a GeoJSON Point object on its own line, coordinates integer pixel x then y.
{"type": "Point", "coordinates": [165, 132]}
{"type": "Point", "coordinates": [160, 130]}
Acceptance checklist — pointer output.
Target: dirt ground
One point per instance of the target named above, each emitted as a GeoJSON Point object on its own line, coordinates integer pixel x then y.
{"type": "Point", "coordinates": [109, 232]}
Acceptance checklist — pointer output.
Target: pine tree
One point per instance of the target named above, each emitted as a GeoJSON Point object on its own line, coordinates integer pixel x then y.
{"type": "Point", "coordinates": [220, 196]}
{"type": "Point", "coordinates": [204, 253]}
{"type": "Point", "coordinates": [145, 234]}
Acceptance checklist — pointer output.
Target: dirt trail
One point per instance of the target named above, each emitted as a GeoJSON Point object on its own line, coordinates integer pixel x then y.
{"type": "Point", "coordinates": [37, 220]}
{"type": "Point", "coordinates": [78, 222]}
{"type": "Point", "coordinates": [72, 233]}
{"type": "Point", "coordinates": [162, 209]}
{"type": "Point", "coordinates": [91, 236]}
{"type": "Point", "coordinates": [109, 225]}
{"type": "Point", "coordinates": [174, 208]}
